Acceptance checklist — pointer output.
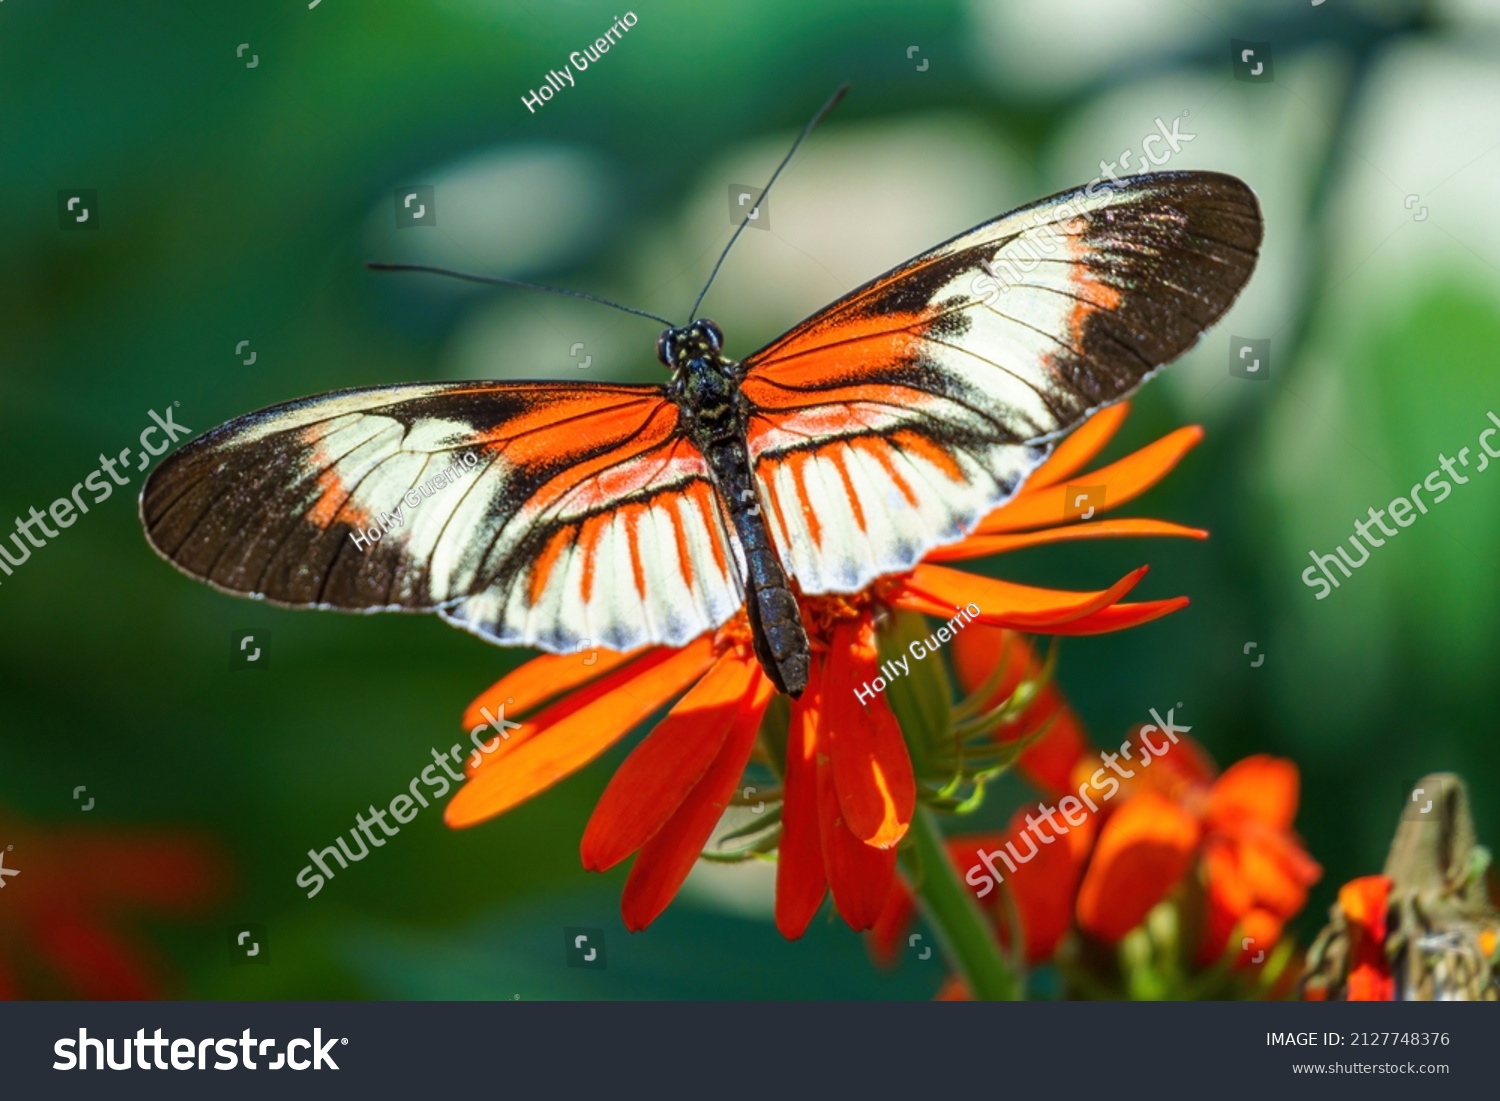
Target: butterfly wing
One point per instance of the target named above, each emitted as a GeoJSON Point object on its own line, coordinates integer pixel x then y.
{"type": "Point", "coordinates": [898, 417]}
{"type": "Point", "coordinates": [528, 513]}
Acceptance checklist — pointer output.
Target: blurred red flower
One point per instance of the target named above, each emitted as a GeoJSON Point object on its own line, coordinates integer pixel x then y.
{"type": "Point", "coordinates": [62, 917]}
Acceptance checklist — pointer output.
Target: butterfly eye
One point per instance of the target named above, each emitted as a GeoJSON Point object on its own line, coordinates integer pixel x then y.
{"type": "Point", "coordinates": [711, 331]}
{"type": "Point", "coordinates": [664, 348]}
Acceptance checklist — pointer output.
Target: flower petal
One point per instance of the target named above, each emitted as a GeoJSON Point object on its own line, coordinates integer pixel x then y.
{"type": "Point", "coordinates": [1144, 848]}
{"type": "Point", "coordinates": [871, 768]}
{"type": "Point", "coordinates": [1043, 886]}
{"type": "Point", "coordinates": [641, 665]}
{"type": "Point", "coordinates": [1122, 481]}
{"type": "Point", "coordinates": [667, 858]}
{"type": "Point", "coordinates": [1078, 449]}
{"type": "Point", "coordinates": [888, 936]}
{"type": "Point", "coordinates": [937, 590]}
{"type": "Point", "coordinates": [800, 880]}
{"type": "Point", "coordinates": [1364, 902]}
{"type": "Point", "coordinates": [660, 772]}
{"type": "Point", "coordinates": [860, 876]}
{"type": "Point", "coordinates": [977, 545]}
{"type": "Point", "coordinates": [1260, 788]}
{"type": "Point", "coordinates": [1276, 886]}
{"type": "Point", "coordinates": [1118, 617]}
{"type": "Point", "coordinates": [540, 679]}
{"type": "Point", "coordinates": [573, 741]}
{"type": "Point", "coordinates": [1227, 900]}
{"type": "Point", "coordinates": [1259, 931]}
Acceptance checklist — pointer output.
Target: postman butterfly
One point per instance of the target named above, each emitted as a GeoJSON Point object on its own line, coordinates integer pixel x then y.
{"type": "Point", "coordinates": [553, 514]}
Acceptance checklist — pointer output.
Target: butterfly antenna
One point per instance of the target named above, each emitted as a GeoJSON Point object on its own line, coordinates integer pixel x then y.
{"type": "Point", "coordinates": [833, 101]}
{"type": "Point", "coordinates": [497, 281]}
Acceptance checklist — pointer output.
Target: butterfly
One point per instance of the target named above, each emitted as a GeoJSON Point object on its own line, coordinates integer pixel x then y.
{"type": "Point", "coordinates": [567, 515]}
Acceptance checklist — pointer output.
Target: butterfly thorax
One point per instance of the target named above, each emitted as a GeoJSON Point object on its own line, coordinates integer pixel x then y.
{"type": "Point", "coordinates": [706, 389]}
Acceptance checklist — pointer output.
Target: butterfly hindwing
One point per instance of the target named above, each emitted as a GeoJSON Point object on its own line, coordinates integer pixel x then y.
{"type": "Point", "coordinates": [538, 514]}
{"type": "Point", "coordinates": [895, 419]}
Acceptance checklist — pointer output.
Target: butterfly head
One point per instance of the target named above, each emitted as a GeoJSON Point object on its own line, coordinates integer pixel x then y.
{"type": "Point", "coordinates": [700, 340]}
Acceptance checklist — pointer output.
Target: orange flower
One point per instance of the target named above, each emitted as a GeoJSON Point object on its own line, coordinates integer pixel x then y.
{"type": "Point", "coordinates": [849, 790]}
{"type": "Point", "coordinates": [1363, 902]}
{"type": "Point", "coordinates": [60, 912]}
{"type": "Point", "coordinates": [1237, 828]}
{"type": "Point", "coordinates": [1166, 815]}
{"type": "Point", "coordinates": [1162, 817]}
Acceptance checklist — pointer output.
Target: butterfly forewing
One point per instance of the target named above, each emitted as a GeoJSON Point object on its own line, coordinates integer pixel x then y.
{"type": "Point", "coordinates": [895, 419]}
{"type": "Point", "coordinates": [535, 514]}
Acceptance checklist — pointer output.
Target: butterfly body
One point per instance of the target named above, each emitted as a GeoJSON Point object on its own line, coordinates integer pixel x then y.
{"type": "Point", "coordinates": [716, 417]}
{"type": "Point", "coordinates": [568, 516]}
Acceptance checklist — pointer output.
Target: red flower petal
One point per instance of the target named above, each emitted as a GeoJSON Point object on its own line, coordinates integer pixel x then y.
{"type": "Point", "coordinates": [660, 772]}
{"type": "Point", "coordinates": [800, 879]}
{"type": "Point", "coordinates": [665, 860]}
{"type": "Point", "coordinates": [1144, 849]}
{"type": "Point", "coordinates": [1122, 481]}
{"type": "Point", "coordinates": [1260, 788]}
{"type": "Point", "coordinates": [572, 742]}
{"type": "Point", "coordinates": [1364, 902]}
{"type": "Point", "coordinates": [977, 545]}
{"type": "Point", "coordinates": [888, 936]}
{"type": "Point", "coordinates": [871, 769]}
{"type": "Point", "coordinates": [621, 675]}
{"type": "Point", "coordinates": [937, 591]}
{"type": "Point", "coordinates": [540, 679]}
{"type": "Point", "coordinates": [1045, 886]}
{"type": "Point", "coordinates": [1078, 449]}
{"type": "Point", "coordinates": [1118, 617]}
{"type": "Point", "coordinates": [860, 876]}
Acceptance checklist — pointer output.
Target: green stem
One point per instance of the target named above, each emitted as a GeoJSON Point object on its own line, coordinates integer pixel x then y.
{"type": "Point", "coordinates": [962, 931]}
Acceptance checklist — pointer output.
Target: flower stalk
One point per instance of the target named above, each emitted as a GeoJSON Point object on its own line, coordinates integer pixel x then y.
{"type": "Point", "coordinates": [962, 932]}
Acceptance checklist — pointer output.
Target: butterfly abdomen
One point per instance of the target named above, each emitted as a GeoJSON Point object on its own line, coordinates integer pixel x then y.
{"type": "Point", "coordinates": [718, 416]}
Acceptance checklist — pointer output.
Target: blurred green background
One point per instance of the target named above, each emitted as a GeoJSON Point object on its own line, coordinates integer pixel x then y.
{"type": "Point", "coordinates": [240, 203]}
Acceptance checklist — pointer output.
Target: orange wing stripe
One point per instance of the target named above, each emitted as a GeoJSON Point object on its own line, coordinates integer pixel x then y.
{"type": "Point", "coordinates": [684, 561]}
{"type": "Point", "coordinates": [544, 565]}
{"type": "Point", "coordinates": [919, 444]}
{"type": "Point", "coordinates": [861, 342]}
{"type": "Point", "coordinates": [550, 429]}
{"type": "Point", "coordinates": [593, 528]}
{"type": "Point", "coordinates": [702, 496]}
{"type": "Point", "coordinates": [798, 462]}
{"type": "Point", "coordinates": [880, 451]}
{"type": "Point", "coordinates": [836, 454]}
{"type": "Point", "coordinates": [776, 508]}
{"type": "Point", "coordinates": [633, 514]}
